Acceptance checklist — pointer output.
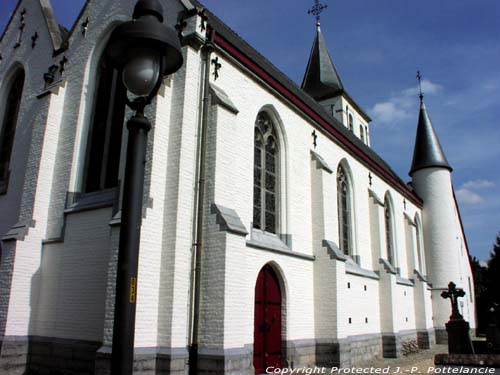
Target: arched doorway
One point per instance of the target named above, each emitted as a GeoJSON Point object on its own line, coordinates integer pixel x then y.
{"type": "Point", "coordinates": [267, 321]}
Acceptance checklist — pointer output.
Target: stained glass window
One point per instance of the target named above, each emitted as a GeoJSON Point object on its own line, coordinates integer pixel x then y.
{"type": "Point", "coordinates": [419, 245]}
{"type": "Point", "coordinates": [103, 152]}
{"type": "Point", "coordinates": [8, 127]}
{"type": "Point", "coordinates": [389, 233]}
{"type": "Point", "coordinates": [344, 211]}
{"type": "Point", "coordinates": [266, 179]}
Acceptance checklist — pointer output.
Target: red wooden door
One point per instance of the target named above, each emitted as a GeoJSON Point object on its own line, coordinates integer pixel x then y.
{"type": "Point", "coordinates": [267, 322]}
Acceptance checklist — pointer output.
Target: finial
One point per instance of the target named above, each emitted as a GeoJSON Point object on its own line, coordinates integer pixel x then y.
{"type": "Point", "coordinates": [421, 94]}
{"type": "Point", "coordinates": [316, 10]}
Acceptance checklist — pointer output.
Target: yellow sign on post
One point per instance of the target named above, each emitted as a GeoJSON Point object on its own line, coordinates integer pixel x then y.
{"type": "Point", "coordinates": [133, 289]}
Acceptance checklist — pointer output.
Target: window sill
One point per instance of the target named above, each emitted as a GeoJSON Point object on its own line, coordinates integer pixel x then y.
{"type": "Point", "coordinates": [270, 242]}
{"type": "Point", "coordinates": [402, 281]}
{"type": "Point", "coordinates": [353, 268]}
{"type": "Point", "coordinates": [78, 202]}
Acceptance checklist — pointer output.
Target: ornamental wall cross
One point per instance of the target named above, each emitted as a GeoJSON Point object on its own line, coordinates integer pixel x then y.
{"type": "Point", "coordinates": [453, 294]}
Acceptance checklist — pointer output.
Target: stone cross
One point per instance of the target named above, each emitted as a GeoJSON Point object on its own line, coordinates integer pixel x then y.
{"type": "Point", "coordinates": [453, 294]}
{"type": "Point", "coordinates": [317, 9]}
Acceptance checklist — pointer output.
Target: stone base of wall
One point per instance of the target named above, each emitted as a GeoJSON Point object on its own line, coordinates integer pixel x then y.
{"type": "Point", "coordinates": [226, 361]}
{"type": "Point", "coordinates": [148, 361]}
{"type": "Point", "coordinates": [426, 338]}
{"type": "Point", "coordinates": [402, 343]}
{"type": "Point", "coordinates": [54, 356]}
{"type": "Point", "coordinates": [44, 356]}
{"type": "Point", "coordinates": [349, 351]}
{"type": "Point", "coordinates": [299, 353]}
{"type": "Point", "coordinates": [397, 344]}
{"type": "Point", "coordinates": [14, 355]}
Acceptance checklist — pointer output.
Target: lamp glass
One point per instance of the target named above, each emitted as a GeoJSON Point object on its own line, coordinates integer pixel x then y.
{"type": "Point", "coordinates": [141, 72]}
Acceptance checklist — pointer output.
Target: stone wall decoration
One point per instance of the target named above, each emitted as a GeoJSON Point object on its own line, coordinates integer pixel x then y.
{"type": "Point", "coordinates": [85, 26]}
{"type": "Point", "coordinates": [62, 65]}
{"type": "Point", "coordinates": [34, 39]}
{"type": "Point", "coordinates": [217, 65]}
{"type": "Point", "coordinates": [49, 76]}
{"type": "Point", "coordinates": [21, 29]}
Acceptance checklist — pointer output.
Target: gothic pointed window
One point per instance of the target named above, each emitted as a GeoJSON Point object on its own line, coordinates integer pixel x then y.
{"type": "Point", "coordinates": [266, 175]}
{"type": "Point", "coordinates": [419, 245]}
{"type": "Point", "coordinates": [344, 200]}
{"type": "Point", "coordinates": [8, 128]}
{"type": "Point", "coordinates": [361, 133]}
{"type": "Point", "coordinates": [389, 233]}
{"type": "Point", "coordinates": [351, 123]}
{"type": "Point", "coordinates": [105, 133]}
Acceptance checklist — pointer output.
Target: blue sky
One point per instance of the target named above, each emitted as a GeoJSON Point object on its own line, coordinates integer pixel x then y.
{"type": "Point", "coordinates": [378, 47]}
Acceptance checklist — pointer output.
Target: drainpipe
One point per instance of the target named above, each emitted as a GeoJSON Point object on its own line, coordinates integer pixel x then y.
{"type": "Point", "coordinates": [206, 50]}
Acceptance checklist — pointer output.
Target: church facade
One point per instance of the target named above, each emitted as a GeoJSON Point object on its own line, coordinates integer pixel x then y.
{"type": "Point", "coordinates": [272, 234]}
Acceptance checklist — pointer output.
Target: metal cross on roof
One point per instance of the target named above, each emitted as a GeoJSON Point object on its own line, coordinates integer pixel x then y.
{"type": "Point", "coordinates": [419, 78]}
{"type": "Point", "coordinates": [317, 9]}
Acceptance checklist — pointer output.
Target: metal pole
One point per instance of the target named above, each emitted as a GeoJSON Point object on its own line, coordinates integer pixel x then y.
{"type": "Point", "coordinates": [122, 357]}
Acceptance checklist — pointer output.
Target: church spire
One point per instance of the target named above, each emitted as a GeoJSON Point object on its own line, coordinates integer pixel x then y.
{"type": "Point", "coordinates": [428, 151]}
{"type": "Point", "coordinates": [321, 79]}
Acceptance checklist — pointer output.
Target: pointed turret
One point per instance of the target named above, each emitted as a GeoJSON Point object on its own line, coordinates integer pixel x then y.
{"type": "Point", "coordinates": [428, 151]}
{"type": "Point", "coordinates": [321, 79]}
{"type": "Point", "coordinates": [442, 233]}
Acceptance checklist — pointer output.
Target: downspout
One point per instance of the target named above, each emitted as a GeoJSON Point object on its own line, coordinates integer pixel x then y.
{"type": "Point", "coordinates": [206, 50]}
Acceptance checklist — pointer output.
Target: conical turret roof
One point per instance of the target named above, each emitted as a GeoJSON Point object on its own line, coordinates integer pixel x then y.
{"type": "Point", "coordinates": [321, 79]}
{"type": "Point", "coordinates": [428, 151]}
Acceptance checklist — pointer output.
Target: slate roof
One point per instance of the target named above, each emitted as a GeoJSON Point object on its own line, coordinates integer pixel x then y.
{"type": "Point", "coordinates": [428, 151]}
{"type": "Point", "coordinates": [321, 79]}
{"type": "Point", "coordinates": [232, 37]}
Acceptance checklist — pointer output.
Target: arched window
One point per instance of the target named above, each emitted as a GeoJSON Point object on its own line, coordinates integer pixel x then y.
{"type": "Point", "coordinates": [344, 199]}
{"type": "Point", "coordinates": [8, 129]}
{"type": "Point", "coordinates": [389, 232]}
{"type": "Point", "coordinates": [105, 132]}
{"type": "Point", "coordinates": [361, 133]}
{"type": "Point", "coordinates": [266, 175]}
{"type": "Point", "coordinates": [351, 123]}
{"type": "Point", "coordinates": [419, 245]}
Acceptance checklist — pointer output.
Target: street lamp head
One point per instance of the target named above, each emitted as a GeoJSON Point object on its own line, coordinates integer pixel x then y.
{"type": "Point", "coordinates": [145, 49]}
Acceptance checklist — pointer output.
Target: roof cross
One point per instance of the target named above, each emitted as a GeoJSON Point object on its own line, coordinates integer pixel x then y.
{"type": "Point", "coordinates": [317, 9]}
{"type": "Point", "coordinates": [419, 78]}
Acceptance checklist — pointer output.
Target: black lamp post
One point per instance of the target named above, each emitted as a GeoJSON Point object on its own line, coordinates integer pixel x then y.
{"type": "Point", "coordinates": [145, 50]}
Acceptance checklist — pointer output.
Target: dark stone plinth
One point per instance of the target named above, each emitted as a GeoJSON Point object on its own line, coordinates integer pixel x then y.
{"type": "Point", "coordinates": [459, 341]}
{"type": "Point", "coordinates": [348, 351]}
{"type": "Point", "coordinates": [147, 361]}
{"type": "Point", "coordinates": [237, 361]}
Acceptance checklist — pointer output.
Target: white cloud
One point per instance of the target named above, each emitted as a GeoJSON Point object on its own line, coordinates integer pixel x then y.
{"type": "Point", "coordinates": [389, 112]}
{"type": "Point", "coordinates": [400, 106]}
{"type": "Point", "coordinates": [466, 196]}
{"type": "Point", "coordinates": [478, 184]}
{"type": "Point", "coordinates": [428, 88]}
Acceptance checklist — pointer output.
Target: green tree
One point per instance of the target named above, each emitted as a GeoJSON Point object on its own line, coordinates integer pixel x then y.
{"type": "Point", "coordinates": [493, 273]}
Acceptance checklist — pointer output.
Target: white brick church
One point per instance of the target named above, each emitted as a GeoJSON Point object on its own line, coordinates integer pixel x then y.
{"type": "Point", "coordinates": [273, 235]}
